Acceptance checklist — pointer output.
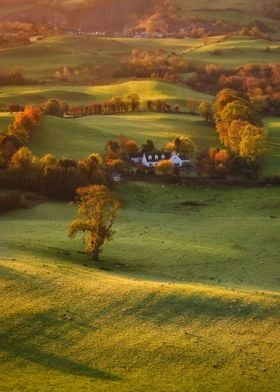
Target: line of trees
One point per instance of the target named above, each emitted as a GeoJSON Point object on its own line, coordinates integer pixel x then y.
{"type": "Point", "coordinates": [14, 78]}
{"type": "Point", "coordinates": [157, 64]}
{"type": "Point", "coordinates": [259, 81]}
{"type": "Point", "coordinates": [239, 125]}
{"type": "Point", "coordinates": [272, 9]}
{"type": "Point", "coordinates": [25, 122]}
{"type": "Point", "coordinates": [161, 106]}
{"type": "Point", "coordinates": [56, 107]}
{"type": "Point", "coordinates": [57, 178]}
{"type": "Point", "coordinates": [18, 134]}
{"type": "Point", "coordinates": [240, 130]}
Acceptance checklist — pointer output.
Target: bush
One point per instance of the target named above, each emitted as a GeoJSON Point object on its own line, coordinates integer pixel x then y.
{"type": "Point", "coordinates": [165, 168]}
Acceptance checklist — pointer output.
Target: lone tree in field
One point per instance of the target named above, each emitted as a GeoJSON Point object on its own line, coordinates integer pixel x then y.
{"type": "Point", "coordinates": [98, 208]}
{"type": "Point", "coordinates": [206, 110]}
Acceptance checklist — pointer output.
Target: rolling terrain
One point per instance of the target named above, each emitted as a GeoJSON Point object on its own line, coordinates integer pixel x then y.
{"type": "Point", "coordinates": [186, 296]}
{"type": "Point", "coordinates": [113, 16]}
{"type": "Point", "coordinates": [76, 138]}
{"type": "Point", "coordinates": [102, 56]}
{"type": "Point", "coordinates": [182, 288]}
{"type": "Point", "coordinates": [75, 95]}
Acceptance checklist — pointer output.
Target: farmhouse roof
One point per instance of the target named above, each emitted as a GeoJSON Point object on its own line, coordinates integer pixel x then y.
{"type": "Point", "coordinates": [157, 156]}
{"type": "Point", "coordinates": [136, 155]}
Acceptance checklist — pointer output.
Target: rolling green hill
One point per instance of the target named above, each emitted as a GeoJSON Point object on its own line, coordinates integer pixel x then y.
{"type": "Point", "coordinates": [75, 95]}
{"type": "Point", "coordinates": [184, 298]}
{"type": "Point", "coordinates": [116, 16]}
{"type": "Point", "coordinates": [102, 56]}
{"type": "Point", "coordinates": [235, 52]}
{"type": "Point", "coordinates": [77, 138]}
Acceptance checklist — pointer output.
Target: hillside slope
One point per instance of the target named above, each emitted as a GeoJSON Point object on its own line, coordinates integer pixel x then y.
{"type": "Point", "coordinates": [182, 301]}
{"type": "Point", "coordinates": [115, 15]}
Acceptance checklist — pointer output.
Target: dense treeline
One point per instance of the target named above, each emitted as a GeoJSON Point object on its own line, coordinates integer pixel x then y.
{"type": "Point", "coordinates": [115, 105]}
{"type": "Point", "coordinates": [55, 107]}
{"type": "Point", "coordinates": [261, 82]}
{"type": "Point", "coordinates": [154, 64]}
{"type": "Point", "coordinates": [14, 78]}
{"type": "Point", "coordinates": [271, 9]}
{"type": "Point", "coordinates": [57, 178]}
{"type": "Point", "coordinates": [21, 33]}
{"type": "Point", "coordinates": [240, 131]}
{"type": "Point", "coordinates": [18, 133]}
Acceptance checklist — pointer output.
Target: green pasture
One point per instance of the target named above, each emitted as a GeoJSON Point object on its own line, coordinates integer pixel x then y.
{"type": "Point", "coordinates": [106, 53]}
{"type": "Point", "coordinates": [235, 52]}
{"type": "Point", "coordinates": [78, 95]}
{"type": "Point", "coordinates": [79, 137]}
{"type": "Point", "coordinates": [272, 155]}
{"type": "Point", "coordinates": [76, 138]}
{"type": "Point", "coordinates": [184, 298]}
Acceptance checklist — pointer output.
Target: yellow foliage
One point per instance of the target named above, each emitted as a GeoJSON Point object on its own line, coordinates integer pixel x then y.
{"type": "Point", "coordinates": [98, 208]}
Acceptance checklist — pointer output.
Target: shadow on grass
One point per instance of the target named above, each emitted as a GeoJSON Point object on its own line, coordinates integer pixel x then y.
{"type": "Point", "coordinates": [61, 254]}
{"type": "Point", "coordinates": [23, 341]}
{"type": "Point", "coordinates": [165, 309]}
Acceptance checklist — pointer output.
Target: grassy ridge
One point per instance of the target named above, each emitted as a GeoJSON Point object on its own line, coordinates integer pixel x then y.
{"type": "Point", "coordinates": [75, 52]}
{"type": "Point", "coordinates": [162, 236]}
{"type": "Point", "coordinates": [77, 95]}
{"type": "Point", "coordinates": [79, 137]}
{"type": "Point", "coordinates": [236, 51]}
{"type": "Point", "coordinates": [208, 336]}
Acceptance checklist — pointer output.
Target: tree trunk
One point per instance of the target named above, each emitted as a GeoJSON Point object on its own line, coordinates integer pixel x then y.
{"type": "Point", "coordinates": [95, 255]}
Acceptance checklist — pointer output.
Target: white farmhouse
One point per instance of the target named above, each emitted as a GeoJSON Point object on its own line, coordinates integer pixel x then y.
{"type": "Point", "coordinates": [152, 159]}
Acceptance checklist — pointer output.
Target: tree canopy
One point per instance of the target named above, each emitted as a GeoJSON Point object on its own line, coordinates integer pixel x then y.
{"type": "Point", "coordinates": [98, 208]}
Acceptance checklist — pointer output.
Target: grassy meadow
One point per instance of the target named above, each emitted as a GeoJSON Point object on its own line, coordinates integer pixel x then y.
{"type": "Point", "coordinates": [236, 51]}
{"type": "Point", "coordinates": [186, 296]}
{"type": "Point", "coordinates": [77, 95]}
{"type": "Point", "coordinates": [185, 293]}
{"type": "Point", "coordinates": [76, 138]}
{"type": "Point", "coordinates": [84, 51]}
{"type": "Point", "coordinates": [272, 161]}
{"type": "Point", "coordinates": [87, 134]}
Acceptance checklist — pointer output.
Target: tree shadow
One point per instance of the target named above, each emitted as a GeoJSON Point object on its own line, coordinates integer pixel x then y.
{"type": "Point", "coordinates": [163, 310]}
{"type": "Point", "coordinates": [13, 343]}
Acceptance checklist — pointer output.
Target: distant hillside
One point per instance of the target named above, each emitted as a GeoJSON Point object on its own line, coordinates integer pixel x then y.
{"type": "Point", "coordinates": [132, 15]}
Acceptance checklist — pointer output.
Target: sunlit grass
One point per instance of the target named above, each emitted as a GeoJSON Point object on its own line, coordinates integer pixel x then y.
{"type": "Point", "coordinates": [188, 290]}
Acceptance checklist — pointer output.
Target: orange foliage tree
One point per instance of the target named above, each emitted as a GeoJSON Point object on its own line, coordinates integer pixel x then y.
{"type": "Point", "coordinates": [25, 122]}
{"type": "Point", "coordinates": [164, 167]}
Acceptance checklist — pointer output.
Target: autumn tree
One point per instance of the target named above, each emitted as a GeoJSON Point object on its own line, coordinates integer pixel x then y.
{"type": "Point", "coordinates": [148, 146]}
{"type": "Point", "coordinates": [239, 126]}
{"type": "Point", "coordinates": [113, 150]}
{"type": "Point", "coordinates": [133, 102]}
{"type": "Point", "coordinates": [183, 145]}
{"type": "Point", "coordinates": [214, 162]}
{"type": "Point", "coordinates": [93, 168]}
{"type": "Point", "coordinates": [237, 110]}
{"type": "Point", "coordinates": [55, 107]}
{"type": "Point", "coordinates": [48, 160]}
{"type": "Point", "coordinates": [98, 208]}
{"type": "Point", "coordinates": [25, 122]}
{"type": "Point", "coordinates": [165, 167]}
{"type": "Point", "coordinates": [22, 159]}
{"type": "Point", "coordinates": [245, 139]}
{"type": "Point", "coordinates": [206, 110]}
